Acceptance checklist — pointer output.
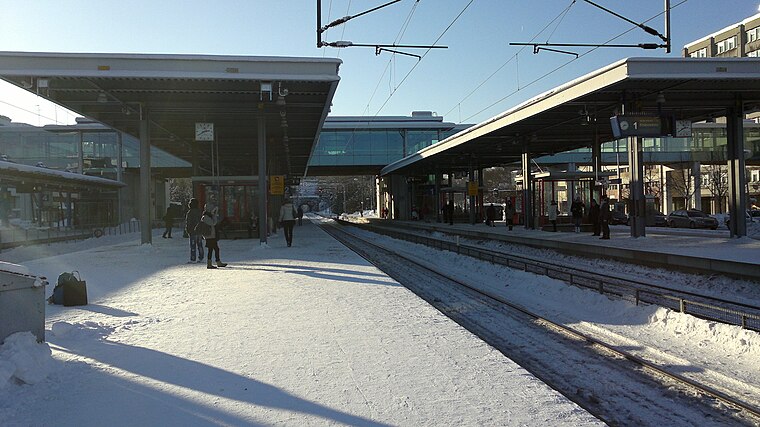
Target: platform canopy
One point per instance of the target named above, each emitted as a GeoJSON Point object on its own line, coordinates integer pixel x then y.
{"type": "Point", "coordinates": [178, 91]}
{"type": "Point", "coordinates": [573, 115]}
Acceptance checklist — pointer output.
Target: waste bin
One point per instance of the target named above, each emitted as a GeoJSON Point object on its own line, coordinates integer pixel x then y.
{"type": "Point", "coordinates": [22, 302]}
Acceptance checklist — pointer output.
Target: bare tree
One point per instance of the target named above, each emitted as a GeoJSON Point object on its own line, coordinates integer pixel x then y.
{"type": "Point", "coordinates": [681, 182]}
{"type": "Point", "coordinates": [653, 182]}
{"type": "Point", "coordinates": [717, 183]}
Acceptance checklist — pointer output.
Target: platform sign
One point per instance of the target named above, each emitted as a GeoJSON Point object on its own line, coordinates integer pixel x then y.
{"type": "Point", "coordinates": [638, 125]}
{"type": "Point", "coordinates": [472, 188]}
{"type": "Point", "coordinates": [277, 185]}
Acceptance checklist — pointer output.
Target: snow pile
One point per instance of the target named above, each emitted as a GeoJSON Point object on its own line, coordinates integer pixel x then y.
{"type": "Point", "coordinates": [14, 268]}
{"type": "Point", "coordinates": [23, 360]}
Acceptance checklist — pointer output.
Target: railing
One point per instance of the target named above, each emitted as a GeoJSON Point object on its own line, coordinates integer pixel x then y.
{"type": "Point", "coordinates": [729, 312]}
{"type": "Point", "coordinates": [13, 236]}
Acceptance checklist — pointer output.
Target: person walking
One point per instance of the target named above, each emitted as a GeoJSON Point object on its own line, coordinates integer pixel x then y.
{"type": "Point", "coordinates": [553, 215]}
{"type": "Point", "coordinates": [299, 211]}
{"type": "Point", "coordinates": [192, 218]}
{"type": "Point", "coordinates": [576, 209]}
{"type": "Point", "coordinates": [169, 223]}
{"type": "Point", "coordinates": [593, 217]}
{"type": "Point", "coordinates": [604, 217]}
{"type": "Point", "coordinates": [509, 212]}
{"type": "Point", "coordinates": [288, 216]}
{"type": "Point", "coordinates": [210, 218]}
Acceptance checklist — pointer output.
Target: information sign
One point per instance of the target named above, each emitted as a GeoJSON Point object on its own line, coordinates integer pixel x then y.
{"type": "Point", "coordinates": [277, 185]}
{"type": "Point", "coordinates": [637, 125]}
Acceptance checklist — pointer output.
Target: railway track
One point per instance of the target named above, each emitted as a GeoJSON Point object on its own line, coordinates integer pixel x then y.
{"type": "Point", "coordinates": [591, 370]}
{"type": "Point", "coordinates": [636, 291]}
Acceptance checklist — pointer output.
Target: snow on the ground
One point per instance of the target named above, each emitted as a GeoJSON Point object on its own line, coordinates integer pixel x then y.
{"type": "Point", "coordinates": [308, 335]}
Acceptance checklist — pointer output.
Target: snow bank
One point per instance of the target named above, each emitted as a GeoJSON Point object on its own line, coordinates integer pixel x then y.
{"type": "Point", "coordinates": [23, 360]}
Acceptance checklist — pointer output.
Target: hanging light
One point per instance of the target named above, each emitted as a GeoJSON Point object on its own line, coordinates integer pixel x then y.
{"type": "Point", "coordinates": [102, 97]}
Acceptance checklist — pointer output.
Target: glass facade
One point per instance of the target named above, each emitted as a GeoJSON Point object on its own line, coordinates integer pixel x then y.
{"type": "Point", "coordinates": [376, 141]}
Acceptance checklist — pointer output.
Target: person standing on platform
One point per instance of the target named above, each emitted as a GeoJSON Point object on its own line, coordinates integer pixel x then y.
{"type": "Point", "coordinates": [192, 218]}
{"type": "Point", "coordinates": [210, 218]}
{"type": "Point", "coordinates": [593, 217]}
{"type": "Point", "coordinates": [490, 215]}
{"type": "Point", "coordinates": [299, 211]}
{"type": "Point", "coordinates": [169, 223]}
{"type": "Point", "coordinates": [576, 209]}
{"type": "Point", "coordinates": [288, 216]}
{"type": "Point", "coordinates": [509, 212]}
{"type": "Point", "coordinates": [553, 215]}
{"type": "Point", "coordinates": [450, 210]}
{"type": "Point", "coordinates": [604, 217]}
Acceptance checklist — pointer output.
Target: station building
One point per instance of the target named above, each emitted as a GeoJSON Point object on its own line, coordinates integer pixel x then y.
{"type": "Point", "coordinates": [86, 149]}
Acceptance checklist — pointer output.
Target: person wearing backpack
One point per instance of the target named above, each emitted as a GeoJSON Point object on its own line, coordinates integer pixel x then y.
{"type": "Point", "coordinates": [209, 220]}
{"type": "Point", "coordinates": [192, 218]}
{"type": "Point", "coordinates": [288, 216]}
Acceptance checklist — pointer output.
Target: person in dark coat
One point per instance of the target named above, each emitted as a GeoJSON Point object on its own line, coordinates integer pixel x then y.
{"type": "Point", "coordinates": [604, 217]}
{"type": "Point", "coordinates": [288, 216]}
{"type": "Point", "coordinates": [490, 215]}
{"type": "Point", "coordinates": [576, 209]}
{"type": "Point", "coordinates": [593, 217]}
{"type": "Point", "coordinates": [450, 211]}
{"type": "Point", "coordinates": [299, 211]}
{"type": "Point", "coordinates": [210, 217]}
{"type": "Point", "coordinates": [169, 223]}
{"type": "Point", "coordinates": [552, 215]}
{"type": "Point", "coordinates": [192, 218]}
{"type": "Point", "coordinates": [509, 212]}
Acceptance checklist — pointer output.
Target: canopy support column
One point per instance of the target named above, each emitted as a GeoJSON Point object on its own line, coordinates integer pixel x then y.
{"type": "Point", "coordinates": [527, 196]}
{"type": "Point", "coordinates": [638, 202]}
{"type": "Point", "coordinates": [262, 157]}
{"type": "Point", "coordinates": [737, 197]}
{"type": "Point", "coordinates": [146, 229]}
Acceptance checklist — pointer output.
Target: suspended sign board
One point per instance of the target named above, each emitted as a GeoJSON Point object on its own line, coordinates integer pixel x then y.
{"type": "Point", "coordinates": [637, 125]}
{"type": "Point", "coordinates": [472, 188]}
{"type": "Point", "coordinates": [277, 185]}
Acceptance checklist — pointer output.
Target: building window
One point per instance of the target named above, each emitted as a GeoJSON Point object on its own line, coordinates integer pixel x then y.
{"type": "Point", "coordinates": [727, 44]}
{"type": "Point", "coordinates": [701, 53]}
{"type": "Point", "coordinates": [752, 34]}
{"type": "Point", "coordinates": [754, 53]}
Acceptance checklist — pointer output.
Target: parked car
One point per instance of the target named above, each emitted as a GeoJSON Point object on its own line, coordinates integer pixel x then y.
{"type": "Point", "coordinates": [660, 219]}
{"type": "Point", "coordinates": [691, 218]}
{"type": "Point", "coordinates": [618, 217]}
{"type": "Point", "coordinates": [748, 217]}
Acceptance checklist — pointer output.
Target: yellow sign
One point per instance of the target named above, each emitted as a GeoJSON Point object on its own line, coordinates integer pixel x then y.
{"type": "Point", "coordinates": [472, 188]}
{"type": "Point", "coordinates": [277, 185]}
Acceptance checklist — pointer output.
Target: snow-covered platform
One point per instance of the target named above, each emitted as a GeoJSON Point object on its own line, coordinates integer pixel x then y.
{"type": "Point", "coordinates": [703, 251]}
{"type": "Point", "coordinates": [306, 335]}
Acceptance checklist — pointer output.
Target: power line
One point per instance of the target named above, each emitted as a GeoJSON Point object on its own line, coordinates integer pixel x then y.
{"type": "Point", "coordinates": [423, 56]}
{"type": "Point", "coordinates": [568, 62]}
{"type": "Point", "coordinates": [36, 113]}
{"type": "Point", "coordinates": [513, 57]}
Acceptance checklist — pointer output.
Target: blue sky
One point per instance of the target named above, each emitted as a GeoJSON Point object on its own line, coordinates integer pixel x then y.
{"type": "Point", "coordinates": [478, 76]}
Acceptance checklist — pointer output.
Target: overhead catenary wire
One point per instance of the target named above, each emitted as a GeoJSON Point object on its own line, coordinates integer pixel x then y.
{"type": "Point", "coordinates": [512, 58]}
{"type": "Point", "coordinates": [543, 76]}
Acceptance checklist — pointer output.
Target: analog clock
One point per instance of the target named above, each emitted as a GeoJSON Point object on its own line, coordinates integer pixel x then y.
{"type": "Point", "coordinates": [204, 131]}
{"type": "Point", "coordinates": [683, 128]}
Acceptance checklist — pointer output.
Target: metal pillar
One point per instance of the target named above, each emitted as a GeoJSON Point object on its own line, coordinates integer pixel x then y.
{"type": "Point", "coordinates": [438, 208]}
{"type": "Point", "coordinates": [146, 231]}
{"type": "Point", "coordinates": [119, 175]}
{"type": "Point", "coordinates": [638, 202]}
{"type": "Point", "coordinates": [696, 173]}
{"type": "Point", "coordinates": [737, 197]}
{"type": "Point", "coordinates": [471, 178]}
{"type": "Point", "coordinates": [596, 161]}
{"type": "Point", "coordinates": [262, 155]}
{"type": "Point", "coordinates": [527, 198]}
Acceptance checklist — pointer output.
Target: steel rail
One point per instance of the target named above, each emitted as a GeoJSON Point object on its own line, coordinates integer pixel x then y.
{"type": "Point", "coordinates": [702, 388]}
{"type": "Point", "coordinates": [720, 310]}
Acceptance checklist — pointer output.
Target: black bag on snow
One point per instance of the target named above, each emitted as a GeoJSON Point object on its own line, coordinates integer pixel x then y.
{"type": "Point", "coordinates": [70, 290]}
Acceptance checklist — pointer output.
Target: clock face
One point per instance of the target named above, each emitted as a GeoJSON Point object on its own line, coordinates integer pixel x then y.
{"type": "Point", "coordinates": [683, 128]}
{"type": "Point", "coordinates": [624, 125]}
{"type": "Point", "coordinates": [204, 131]}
